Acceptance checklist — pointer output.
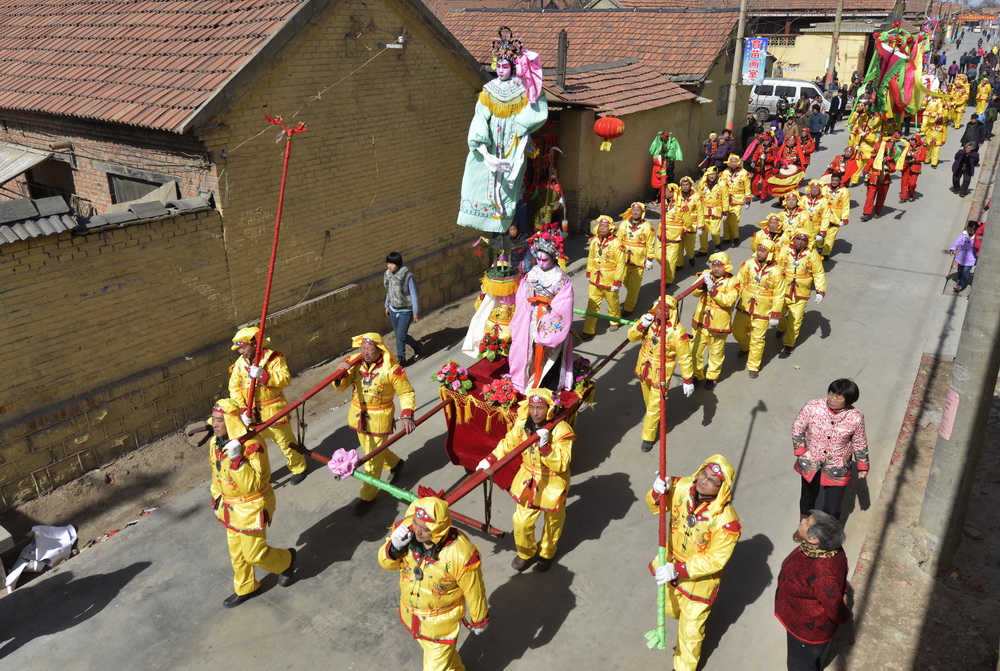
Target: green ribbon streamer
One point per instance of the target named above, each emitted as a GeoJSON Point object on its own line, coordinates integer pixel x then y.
{"type": "Point", "coordinates": [578, 311]}
{"type": "Point", "coordinates": [658, 637]}
{"type": "Point", "coordinates": [398, 492]}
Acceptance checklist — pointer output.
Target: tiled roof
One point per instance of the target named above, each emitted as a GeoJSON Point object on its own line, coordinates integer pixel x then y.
{"type": "Point", "coordinates": [784, 7]}
{"type": "Point", "coordinates": [621, 87]}
{"type": "Point", "coordinates": [24, 218]}
{"type": "Point", "coordinates": [147, 63]}
{"type": "Point", "coordinates": [674, 43]}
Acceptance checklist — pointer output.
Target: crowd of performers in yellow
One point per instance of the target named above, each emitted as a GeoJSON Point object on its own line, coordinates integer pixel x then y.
{"type": "Point", "coordinates": [439, 567]}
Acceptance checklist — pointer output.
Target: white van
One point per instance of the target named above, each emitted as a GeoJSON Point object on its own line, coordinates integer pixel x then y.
{"type": "Point", "coordinates": [764, 96]}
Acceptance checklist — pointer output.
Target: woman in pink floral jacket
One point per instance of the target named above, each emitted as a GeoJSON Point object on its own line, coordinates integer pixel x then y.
{"type": "Point", "coordinates": [827, 435]}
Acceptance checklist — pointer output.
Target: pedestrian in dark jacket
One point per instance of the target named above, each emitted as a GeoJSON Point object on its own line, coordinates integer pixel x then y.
{"type": "Point", "coordinates": [837, 106]}
{"type": "Point", "coordinates": [974, 132]}
{"type": "Point", "coordinates": [810, 601]}
{"type": "Point", "coordinates": [817, 122]}
{"type": "Point", "coordinates": [952, 71]}
{"type": "Point", "coordinates": [963, 168]}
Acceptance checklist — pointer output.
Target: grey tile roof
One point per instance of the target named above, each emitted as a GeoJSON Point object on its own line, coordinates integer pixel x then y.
{"type": "Point", "coordinates": [27, 218]}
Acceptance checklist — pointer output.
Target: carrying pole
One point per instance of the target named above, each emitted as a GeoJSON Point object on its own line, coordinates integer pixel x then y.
{"type": "Point", "coordinates": [288, 133]}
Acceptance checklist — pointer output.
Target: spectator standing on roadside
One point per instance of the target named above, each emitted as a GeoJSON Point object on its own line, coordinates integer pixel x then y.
{"type": "Point", "coordinates": [401, 304]}
{"type": "Point", "coordinates": [963, 168]}
{"type": "Point", "coordinates": [837, 107]}
{"type": "Point", "coordinates": [810, 599]}
{"type": "Point", "coordinates": [952, 71]}
{"type": "Point", "coordinates": [964, 251]}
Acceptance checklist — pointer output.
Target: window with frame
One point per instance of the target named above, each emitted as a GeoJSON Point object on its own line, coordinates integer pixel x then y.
{"type": "Point", "coordinates": [126, 189]}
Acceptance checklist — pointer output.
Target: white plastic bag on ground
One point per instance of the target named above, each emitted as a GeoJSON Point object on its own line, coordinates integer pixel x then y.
{"type": "Point", "coordinates": [50, 547]}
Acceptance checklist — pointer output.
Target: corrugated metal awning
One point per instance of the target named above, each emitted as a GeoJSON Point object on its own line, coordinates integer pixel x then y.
{"type": "Point", "coordinates": [15, 159]}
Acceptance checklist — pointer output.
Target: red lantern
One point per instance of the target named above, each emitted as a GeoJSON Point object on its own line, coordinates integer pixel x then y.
{"type": "Point", "coordinates": [609, 128]}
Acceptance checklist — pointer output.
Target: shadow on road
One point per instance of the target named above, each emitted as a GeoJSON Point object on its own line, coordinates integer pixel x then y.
{"type": "Point", "coordinates": [59, 603]}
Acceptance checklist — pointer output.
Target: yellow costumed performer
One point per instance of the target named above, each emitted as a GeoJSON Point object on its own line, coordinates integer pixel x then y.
{"type": "Point", "coordinates": [840, 213]}
{"type": "Point", "coordinates": [793, 216]}
{"type": "Point", "coordinates": [647, 367]}
{"type": "Point", "coordinates": [816, 205]}
{"type": "Point", "coordinates": [692, 214]}
{"type": "Point", "coordinates": [983, 95]}
{"type": "Point", "coordinates": [936, 135]}
{"type": "Point", "coordinates": [803, 270]}
{"type": "Point", "coordinates": [711, 323]}
{"type": "Point", "coordinates": [737, 181]}
{"type": "Point", "coordinates": [542, 481]}
{"type": "Point", "coordinates": [244, 503]}
{"type": "Point", "coordinates": [762, 300]}
{"type": "Point", "coordinates": [377, 378]}
{"type": "Point", "coordinates": [272, 377]}
{"type": "Point", "coordinates": [715, 206]}
{"type": "Point", "coordinates": [704, 530]}
{"type": "Point", "coordinates": [772, 229]}
{"type": "Point", "coordinates": [639, 240]}
{"type": "Point", "coordinates": [440, 581]}
{"type": "Point", "coordinates": [671, 232]}
{"type": "Point", "coordinates": [605, 272]}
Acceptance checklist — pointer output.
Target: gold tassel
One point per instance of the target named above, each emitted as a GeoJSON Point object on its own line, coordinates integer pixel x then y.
{"type": "Point", "coordinates": [606, 145]}
{"type": "Point", "coordinates": [502, 109]}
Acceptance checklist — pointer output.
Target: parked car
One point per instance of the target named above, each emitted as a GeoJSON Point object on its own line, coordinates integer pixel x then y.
{"type": "Point", "coordinates": [764, 97]}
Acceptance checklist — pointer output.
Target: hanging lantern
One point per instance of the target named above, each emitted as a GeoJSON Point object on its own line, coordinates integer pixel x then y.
{"type": "Point", "coordinates": [609, 128]}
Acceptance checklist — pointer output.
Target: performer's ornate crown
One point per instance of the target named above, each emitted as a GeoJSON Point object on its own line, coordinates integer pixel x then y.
{"type": "Point", "coordinates": [506, 46]}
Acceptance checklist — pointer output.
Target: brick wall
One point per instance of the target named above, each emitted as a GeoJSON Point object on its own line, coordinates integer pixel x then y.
{"type": "Point", "coordinates": [98, 145]}
{"type": "Point", "coordinates": [122, 335]}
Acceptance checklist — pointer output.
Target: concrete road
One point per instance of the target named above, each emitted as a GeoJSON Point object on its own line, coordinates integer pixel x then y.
{"type": "Point", "coordinates": [151, 597]}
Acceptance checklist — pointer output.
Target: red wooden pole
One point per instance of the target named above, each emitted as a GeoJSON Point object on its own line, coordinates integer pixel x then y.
{"type": "Point", "coordinates": [336, 375]}
{"type": "Point", "coordinates": [289, 132]}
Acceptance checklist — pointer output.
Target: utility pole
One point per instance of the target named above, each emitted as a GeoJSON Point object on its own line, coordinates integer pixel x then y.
{"type": "Point", "coordinates": [973, 378]}
{"type": "Point", "coordinates": [738, 50]}
{"type": "Point", "coordinates": [835, 47]}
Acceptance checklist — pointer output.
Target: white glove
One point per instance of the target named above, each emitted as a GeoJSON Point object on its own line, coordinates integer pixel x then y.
{"type": "Point", "coordinates": [665, 574]}
{"type": "Point", "coordinates": [255, 372]}
{"type": "Point", "coordinates": [688, 389]}
{"type": "Point", "coordinates": [234, 448]}
{"type": "Point", "coordinates": [819, 298]}
{"type": "Point", "coordinates": [477, 630]}
{"type": "Point", "coordinates": [245, 417]}
{"type": "Point", "coordinates": [773, 323]}
{"type": "Point", "coordinates": [483, 465]}
{"type": "Point", "coordinates": [649, 264]}
{"type": "Point", "coordinates": [401, 537]}
{"type": "Point", "coordinates": [646, 321]}
{"type": "Point", "coordinates": [659, 486]}
{"type": "Point", "coordinates": [709, 281]}
{"type": "Point", "coordinates": [543, 437]}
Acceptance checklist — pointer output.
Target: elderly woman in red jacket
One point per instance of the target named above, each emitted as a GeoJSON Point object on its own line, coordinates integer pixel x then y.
{"type": "Point", "coordinates": [812, 584]}
{"type": "Point", "coordinates": [828, 435]}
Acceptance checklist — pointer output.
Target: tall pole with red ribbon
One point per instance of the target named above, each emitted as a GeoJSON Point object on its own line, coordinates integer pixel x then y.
{"type": "Point", "coordinates": [288, 134]}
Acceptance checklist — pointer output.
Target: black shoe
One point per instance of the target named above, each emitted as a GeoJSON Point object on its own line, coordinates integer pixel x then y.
{"type": "Point", "coordinates": [233, 600]}
{"type": "Point", "coordinates": [778, 334]}
{"type": "Point", "coordinates": [297, 478]}
{"type": "Point", "coordinates": [753, 375]}
{"type": "Point", "coordinates": [362, 507]}
{"type": "Point", "coordinates": [287, 576]}
{"type": "Point", "coordinates": [646, 446]}
{"type": "Point", "coordinates": [701, 253]}
{"type": "Point", "coordinates": [865, 217]}
{"type": "Point", "coordinates": [418, 354]}
{"type": "Point", "coordinates": [742, 353]}
{"type": "Point", "coordinates": [395, 471]}
{"type": "Point", "coordinates": [785, 352]}
{"type": "Point", "coordinates": [520, 564]}
{"type": "Point", "coordinates": [691, 262]}
{"type": "Point", "coordinates": [543, 564]}
{"type": "Point", "coordinates": [587, 337]}
{"type": "Point", "coordinates": [710, 384]}
{"type": "Point", "coordinates": [627, 313]}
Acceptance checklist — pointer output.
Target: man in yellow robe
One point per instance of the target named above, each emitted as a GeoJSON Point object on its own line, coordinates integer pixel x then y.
{"type": "Point", "coordinates": [377, 379]}
{"type": "Point", "coordinates": [440, 581]}
{"type": "Point", "coordinates": [762, 300]}
{"type": "Point", "coordinates": [639, 240]}
{"type": "Point", "coordinates": [711, 323]}
{"type": "Point", "coordinates": [803, 270]}
{"type": "Point", "coordinates": [647, 367]}
{"type": "Point", "coordinates": [272, 377]}
{"type": "Point", "coordinates": [606, 264]}
{"type": "Point", "coordinates": [244, 503]}
{"type": "Point", "coordinates": [542, 481]}
{"type": "Point", "coordinates": [704, 529]}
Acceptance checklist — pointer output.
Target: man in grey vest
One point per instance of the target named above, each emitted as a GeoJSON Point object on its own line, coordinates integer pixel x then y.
{"type": "Point", "coordinates": [401, 305]}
